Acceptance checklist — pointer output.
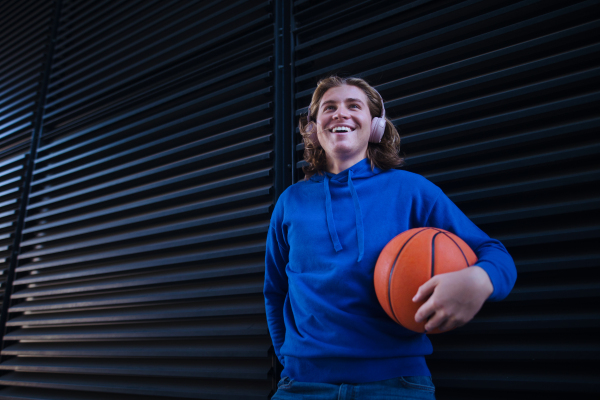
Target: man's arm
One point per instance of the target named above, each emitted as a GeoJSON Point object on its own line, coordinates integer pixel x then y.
{"type": "Point", "coordinates": [275, 289]}
{"type": "Point", "coordinates": [454, 298]}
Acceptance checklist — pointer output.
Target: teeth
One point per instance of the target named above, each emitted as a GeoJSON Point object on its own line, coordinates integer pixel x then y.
{"type": "Point", "coordinates": [341, 129]}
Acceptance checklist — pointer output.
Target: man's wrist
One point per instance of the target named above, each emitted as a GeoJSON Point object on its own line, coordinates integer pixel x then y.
{"type": "Point", "coordinates": [482, 280]}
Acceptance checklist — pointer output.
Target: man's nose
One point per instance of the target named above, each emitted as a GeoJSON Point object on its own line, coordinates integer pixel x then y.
{"type": "Point", "coordinates": [341, 113]}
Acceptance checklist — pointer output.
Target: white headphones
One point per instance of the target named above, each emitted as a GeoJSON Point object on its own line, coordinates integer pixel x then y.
{"type": "Point", "coordinates": [377, 126]}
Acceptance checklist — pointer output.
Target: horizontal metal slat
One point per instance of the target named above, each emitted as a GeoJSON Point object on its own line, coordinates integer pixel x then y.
{"type": "Point", "coordinates": [23, 128]}
{"type": "Point", "coordinates": [6, 224]}
{"type": "Point", "coordinates": [8, 202]}
{"type": "Point", "coordinates": [162, 229]}
{"type": "Point", "coordinates": [8, 10]}
{"type": "Point", "coordinates": [532, 382]}
{"type": "Point", "coordinates": [217, 252]}
{"type": "Point", "coordinates": [123, 34]}
{"type": "Point", "coordinates": [558, 263]}
{"type": "Point", "coordinates": [157, 200]}
{"type": "Point", "coordinates": [525, 186]}
{"type": "Point", "coordinates": [11, 182]}
{"type": "Point", "coordinates": [518, 351]}
{"type": "Point", "coordinates": [144, 62]}
{"type": "Point", "coordinates": [340, 15]}
{"type": "Point", "coordinates": [558, 291]}
{"type": "Point", "coordinates": [93, 18]}
{"type": "Point", "coordinates": [172, 275]}
{"type": "Point", "coordinates": [154, 172]}
{"type": "Point", "coordinates": [512, 117]}
{"type": "Point", "coordinates": [544, 209]}
{"type": "Point", "coordinates": [227, 286]}
{"type": "Point", "coordinates": [250, 346]}
{"type": "Point", "coordinates": [163, 168]}
{"type": "Point", "coordinates": [190, 388]}
{"type": "Point", "coordinates": [137, 234]}
{"type": "Point", "coordinates": [241, 369]}
{"type": "Point", "coordinates": [22, 92]}
{"type": "Point", "coordinates": [17, 119]}
{"type": "Point", "coordinates": [388, 14]}
{"type": "Point", "coordinates": [100, 15]}
{"type": "Point", "coordinates": [28, 31]}
{"type": "Point", "coordinates": [255, 229]}
{"type": "Point", "coordinates": [525, 238]}
{"type": "Point", "coordinates": [240, 326]}
{"type": "Point", "coordinates": [215, 307]}
{"type": "Point", "coordinates": [116, 133]}
{"type": "Point", "coordinates": [497, 77]}
{"type": "Point", "coordinates": [82, 105]}
{"type": "Point", "coordinates": [10, 171]}
{"type": "Point", "coordinates": [498, 99]}
{"type": "Point", "coordinates": [525, 323]}
{"type": "Point", "coordinates": [148, 88]}
{"type": "Point", "coordinates": [26, 92]}
{"type": "Point", "coordinates": [8, 187]}
{"type": "Point", "coordinates": [28, 393]}
{"type": "Point", "coordinates": [392, 49]}
{"type": "Point", "coordinates": [24, 64]}
{"type": "Point", "coordinates": [426, 20]}
{"type": "Point", "coordinates": [21, 75]}
{"type": "Point", "coordinates": [117, 108]}
{"type": "Point", "coordinates": [24, 111]}
{"type": "Point", "coordinates": [538, 159]}
{"type": "Point", "coordinates": [12, 160]}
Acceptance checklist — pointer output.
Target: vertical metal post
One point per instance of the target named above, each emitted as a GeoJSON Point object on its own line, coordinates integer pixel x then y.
{"type": "Point", "coordinates": [283, 129]}
{"type": "Point", "coordinates": [35, 140]}
{"type": "Point", "coordinates": [283, 107]}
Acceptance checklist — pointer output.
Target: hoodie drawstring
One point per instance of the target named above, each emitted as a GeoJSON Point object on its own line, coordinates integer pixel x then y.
{"type": "Point", "coordinates": [330, 224]}
{"type": "Point", "coordinates": [360, 230]}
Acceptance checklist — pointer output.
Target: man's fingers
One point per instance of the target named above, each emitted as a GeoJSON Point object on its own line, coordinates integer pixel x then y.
{"type": "Point", "coordinates": [447, 325]}
{"type": "Point", "coordinates": [425, 311]}
{"type": "Point", "coordinates": [438, 319]}
{"type": "Point", "coordinates": [425, 290]}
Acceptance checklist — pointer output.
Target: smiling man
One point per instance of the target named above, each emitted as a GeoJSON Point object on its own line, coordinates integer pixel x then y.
{"type": "Point", "coordinates": [328, 329]}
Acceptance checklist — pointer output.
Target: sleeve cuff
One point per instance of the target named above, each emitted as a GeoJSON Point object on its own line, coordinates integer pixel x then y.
{"type": "Point", "coordinates": [492, 272]}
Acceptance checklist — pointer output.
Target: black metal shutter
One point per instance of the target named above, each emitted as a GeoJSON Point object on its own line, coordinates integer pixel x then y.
{"type": "Point", "coordinates": [12, 168]}
{"type": "Point", "coordinates": [141, 267]}
{"type": "Point", "coordinates": [25, 28]}
{"type": "Point", "coordinates": [497, 103]}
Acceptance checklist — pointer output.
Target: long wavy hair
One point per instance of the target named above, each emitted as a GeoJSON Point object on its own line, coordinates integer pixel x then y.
{"type": "Point", "coordinates": [383, 155]}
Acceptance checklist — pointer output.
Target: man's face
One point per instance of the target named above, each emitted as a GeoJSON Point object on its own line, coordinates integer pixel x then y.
{"type": "Point", "coordinates": [344, 123]}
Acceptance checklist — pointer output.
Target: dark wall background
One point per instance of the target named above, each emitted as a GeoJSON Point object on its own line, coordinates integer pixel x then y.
{"type": "Point", "coordinates": [144, 143]}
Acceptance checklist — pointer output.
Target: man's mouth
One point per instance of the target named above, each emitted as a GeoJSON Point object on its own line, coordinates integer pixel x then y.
{"type": "Point", "coordinates": [341, 129]}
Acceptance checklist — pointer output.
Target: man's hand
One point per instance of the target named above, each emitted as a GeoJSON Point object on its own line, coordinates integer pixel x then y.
{"type": "Point", "coordinates": [453, 299]}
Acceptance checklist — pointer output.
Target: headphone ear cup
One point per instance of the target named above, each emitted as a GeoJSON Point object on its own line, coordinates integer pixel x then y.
{"type": "Point", "coordinates": [377, 130]}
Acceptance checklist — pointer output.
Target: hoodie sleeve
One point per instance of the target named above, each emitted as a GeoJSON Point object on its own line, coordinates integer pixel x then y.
{"type": "Point", "coordinates": [492, 255]}
{"type": "Point", "coordinates": [276, 283]}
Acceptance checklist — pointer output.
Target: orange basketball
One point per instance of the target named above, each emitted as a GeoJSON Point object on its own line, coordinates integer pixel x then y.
{"type": "Point", "coordinates": [411, 259]}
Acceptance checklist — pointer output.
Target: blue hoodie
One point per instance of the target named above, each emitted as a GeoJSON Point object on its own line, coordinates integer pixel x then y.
{"type": "Point", "coordinates": [324, 240]}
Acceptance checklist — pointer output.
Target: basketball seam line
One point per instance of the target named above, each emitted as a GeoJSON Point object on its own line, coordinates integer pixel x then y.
{"type": "Point", "coordinates": [461, 251]}
{"type": "Point", "coordinates": [433, 254]}
{"type": "Point", "coordinates": [392, 272]}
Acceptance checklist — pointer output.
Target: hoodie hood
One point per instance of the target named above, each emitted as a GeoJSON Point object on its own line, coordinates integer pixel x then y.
{"type": "Point", "coordinates": [360, 170]}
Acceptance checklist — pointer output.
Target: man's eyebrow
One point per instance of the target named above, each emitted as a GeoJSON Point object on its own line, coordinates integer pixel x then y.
{"type": "Point", "coordinates": [348, 100]}
{"type": "Point", "coordinates": [351, 100]}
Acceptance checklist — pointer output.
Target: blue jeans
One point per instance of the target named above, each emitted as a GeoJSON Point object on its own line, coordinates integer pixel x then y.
{"type": "Point", "coordinates": [404, 387]}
